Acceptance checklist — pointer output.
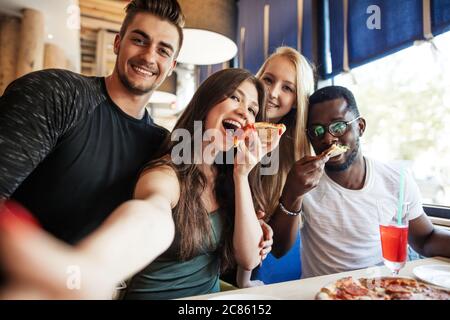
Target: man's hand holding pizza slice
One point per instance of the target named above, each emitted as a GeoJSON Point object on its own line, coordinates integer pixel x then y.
{"type": "Point", "coordinates": [306, 173]}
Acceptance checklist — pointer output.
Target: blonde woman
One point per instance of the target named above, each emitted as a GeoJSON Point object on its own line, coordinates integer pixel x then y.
{"type": "Point", "coordinates": [289, 79]}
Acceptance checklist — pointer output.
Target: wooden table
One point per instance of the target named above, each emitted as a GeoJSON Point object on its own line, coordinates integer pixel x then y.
{"type": "Point", "coordinates": [306, 289]}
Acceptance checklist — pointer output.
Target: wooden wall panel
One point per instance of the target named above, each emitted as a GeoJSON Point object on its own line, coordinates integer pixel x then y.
{"type": "Point", "coordinates": [54, 57]}
{"type": "Point", "coordinates": [9, 45]}
{"type": "Point", "coordinates": [31, 51]}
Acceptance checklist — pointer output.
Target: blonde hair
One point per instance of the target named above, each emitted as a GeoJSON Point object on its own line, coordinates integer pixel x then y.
{"type": "Point", "coordinates": [294, 144]}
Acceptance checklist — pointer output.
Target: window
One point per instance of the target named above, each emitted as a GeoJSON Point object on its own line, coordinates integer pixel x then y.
{"type": "Point", "coordinates": [405, 98]}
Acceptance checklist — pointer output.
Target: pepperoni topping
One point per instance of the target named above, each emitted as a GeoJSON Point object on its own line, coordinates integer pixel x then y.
{"type": "Point", "coordinates": [342, 295]}
{"type": "Point", "coordinates": [400, 296]}
{"type": "Point", "coordinates": [397, 288]}
{"type": "Point", "coordinates": [356, 290]}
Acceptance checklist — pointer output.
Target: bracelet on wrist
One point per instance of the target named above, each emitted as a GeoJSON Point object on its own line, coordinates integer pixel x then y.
{"type": "Point", "coordinates": [286, 211]}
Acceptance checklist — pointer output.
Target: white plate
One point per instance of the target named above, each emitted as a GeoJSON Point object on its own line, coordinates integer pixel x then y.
{"type": "Point", "coordinates": [243, 296]}
{"type": "Point", "coordinates": [435, 274]}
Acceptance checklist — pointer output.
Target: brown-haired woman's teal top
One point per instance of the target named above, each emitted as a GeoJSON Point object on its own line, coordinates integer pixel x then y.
{"type": "Point", "coordinates": [170, 278]}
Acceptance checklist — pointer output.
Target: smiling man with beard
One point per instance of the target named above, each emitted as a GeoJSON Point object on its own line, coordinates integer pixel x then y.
{"type": "Point", "coordinates": [72, 146]}
{"type": "Point", "coordinates": [338, 197]}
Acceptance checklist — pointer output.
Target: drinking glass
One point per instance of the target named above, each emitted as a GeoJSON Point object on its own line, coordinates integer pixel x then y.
{"type": "Point", "coordinates": [394, 235]}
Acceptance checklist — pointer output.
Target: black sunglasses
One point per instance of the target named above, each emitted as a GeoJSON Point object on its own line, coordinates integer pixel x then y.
{"type": "Point", "coordinates": [336, 129]}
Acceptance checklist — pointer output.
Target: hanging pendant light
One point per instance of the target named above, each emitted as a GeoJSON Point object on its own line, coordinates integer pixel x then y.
{"type": "Point", "coordinates": [209, 31]}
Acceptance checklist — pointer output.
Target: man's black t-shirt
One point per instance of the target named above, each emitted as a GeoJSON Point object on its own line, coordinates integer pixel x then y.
{"type": "Point", "coordinates": [68, 153]}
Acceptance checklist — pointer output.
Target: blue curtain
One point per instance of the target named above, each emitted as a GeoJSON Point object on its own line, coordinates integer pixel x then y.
{"type": "Point", "coordinates": [440, 16]}
{"type": "Point", "coordinates": [401, 25]}
{"type": "Point", "coordinates": [251, 17]}
{"type": "Point", "coordinates": [282, 28]}
{"type": "Point", "coordinates": [282, 31]}
{"type": "Point", "coordinates": [307, 32]}
{"type": "Point", "coordinates": [283, 24]}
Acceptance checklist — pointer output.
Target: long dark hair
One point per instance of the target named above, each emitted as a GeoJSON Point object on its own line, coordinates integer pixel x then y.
{"type": "Point", "coordinates": [191, 218]}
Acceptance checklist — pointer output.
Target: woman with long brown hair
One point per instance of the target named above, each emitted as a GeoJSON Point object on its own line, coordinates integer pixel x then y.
{"type": "Point", "coordinates": [209, 205]}
{"type": "Point", "coordinates": [212, 205]}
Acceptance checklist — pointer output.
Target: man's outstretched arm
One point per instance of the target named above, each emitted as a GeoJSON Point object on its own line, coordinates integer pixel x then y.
{"type": "Point", "coordinates": [135, 234]}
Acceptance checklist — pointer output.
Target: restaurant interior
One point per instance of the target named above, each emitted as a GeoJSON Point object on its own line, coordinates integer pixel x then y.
{"type": "Point", "coordinates": [393, 55]}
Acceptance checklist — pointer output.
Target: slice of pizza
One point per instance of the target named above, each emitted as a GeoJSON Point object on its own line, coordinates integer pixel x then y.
{"type": "Point", "coordinates": [270, 126]}
{"type": "Point", "coordinates": [335, 150]}
{"type": "Point", "coordinates": [345, 289]}
{"type": "Point", "coordinates": [266, 131]}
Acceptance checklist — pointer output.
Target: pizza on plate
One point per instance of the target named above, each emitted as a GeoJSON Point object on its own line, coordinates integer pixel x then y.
{"type": "Point", "coordinates": [383, 288]}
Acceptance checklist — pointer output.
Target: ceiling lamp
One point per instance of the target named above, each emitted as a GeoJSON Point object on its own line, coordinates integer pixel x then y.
{"type": "Point", "coordinates": [209, 31]}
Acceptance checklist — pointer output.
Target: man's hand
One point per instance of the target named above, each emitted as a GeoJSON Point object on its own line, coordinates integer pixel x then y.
{"type": "Point", "coordinates": [304, 176]}
{"type": "Point", "coordinates": [36, 264]}
{"type": "Point", "coordinates": [267, 241]}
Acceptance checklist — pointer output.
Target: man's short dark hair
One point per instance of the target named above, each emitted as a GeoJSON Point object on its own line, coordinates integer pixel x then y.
{"type": "Point", "coordinates": [335, 92]}
{"type": "Point", "coordinates": [168, 10]}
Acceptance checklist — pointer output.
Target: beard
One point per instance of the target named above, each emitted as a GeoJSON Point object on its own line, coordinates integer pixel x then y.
{"type": "Point", "coordinates": [348, 162]}
{"type": "Point", "coordinates": [136, 89]}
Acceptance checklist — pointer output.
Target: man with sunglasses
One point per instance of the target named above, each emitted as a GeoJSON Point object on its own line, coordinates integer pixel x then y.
{"type": "Point", "coordinates": [337, 198]}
